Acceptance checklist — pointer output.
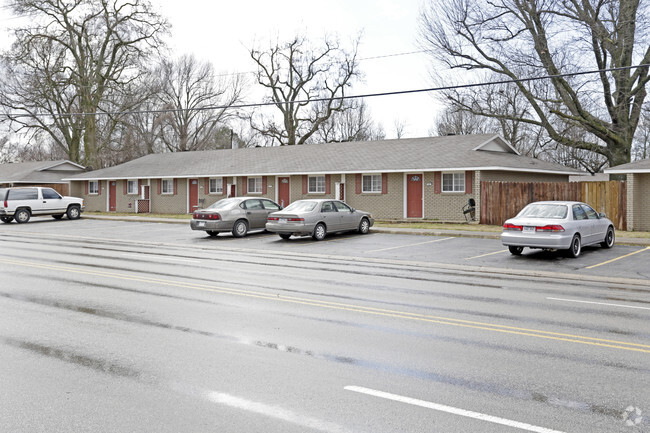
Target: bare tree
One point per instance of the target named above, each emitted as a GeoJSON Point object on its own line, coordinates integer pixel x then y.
{"type": "Point", "coordinates": [517, 39]}
{"type": "Point", "coordinates": [72, 62]}
{"type": "Point", "coordinates": [353, 123]}
{"type": "Point", "coordinates": [641, 147]}
{"type": "Point", "coordinates": [189, 89]}
{"type": "Point", "coordinates": [297, 75]}
{"type": "Point", "coordinates": [400, 128]}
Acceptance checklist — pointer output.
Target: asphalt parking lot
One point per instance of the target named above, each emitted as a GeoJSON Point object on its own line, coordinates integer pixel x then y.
{"type": "Point", "coordinates": [621, 261]}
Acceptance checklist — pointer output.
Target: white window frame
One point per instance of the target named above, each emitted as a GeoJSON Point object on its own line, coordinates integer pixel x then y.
{"type": "Point", "coordinates": [457, 182]}
{"type": "Point", "coordinates": [218, 185]}
{"type": "Point", "coordinates": [167, 187]}
{"type": "Point", "coordinates": [257, 185]}
{"type": "Point", "coordinates": [93, 187]}
{"type": "Point", "coordinates": [375, 183]}
{"type": "Point", "coordinates": [132, 183]}
{"type": "Point", "coordinates": [319, 187]}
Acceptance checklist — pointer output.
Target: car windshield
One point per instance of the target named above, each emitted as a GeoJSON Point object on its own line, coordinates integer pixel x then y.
{"type": "Point", "coordinates": [301, 206]}
{"type": "Point", "coordinates": [226, 203]}
{"type": "Point", "coordinates": [553, 211]}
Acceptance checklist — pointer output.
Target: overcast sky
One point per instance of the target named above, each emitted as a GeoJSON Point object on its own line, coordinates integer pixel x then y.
{"type": "Point", "coordinates": [222, 32]}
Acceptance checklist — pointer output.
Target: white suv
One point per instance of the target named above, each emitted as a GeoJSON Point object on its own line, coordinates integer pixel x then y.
{"type": "Point", "coordinates": [21, 203]}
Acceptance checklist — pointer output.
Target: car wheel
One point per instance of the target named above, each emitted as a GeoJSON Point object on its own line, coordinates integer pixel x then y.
{"type": "Point", "coordinates": [364, 226]}
{"type": "Point", "coordinates": [6, 219]}
{"type": "Point", "coordinates": [319, 232]}
{"type": "Point", "coordinates": [73, 212]}
{"type": "Point", "coordinates": [22, 216]}
{"type": "Point", "coordinates": [576, 246]}
{"type": "Point", "coordinates": [240, 229]}
{"type": "Point", "coordinates": [516, 250]}
{"type": "Point", "coordinates": [609, 238]}
{"type": "Point", "coordinates": [285, 236]}
{"type": "Point", "coordinates": [57, 216]}
{"type": "Point", "coordinates": [212, 233]}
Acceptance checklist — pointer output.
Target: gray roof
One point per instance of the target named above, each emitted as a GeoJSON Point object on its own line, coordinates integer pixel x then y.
{"type": "Point", "coordinates": [642, 166]}
{"type": "Point", "coordinates": [38, 171]}
{"type": "Point", "coordinates": [460, 152]}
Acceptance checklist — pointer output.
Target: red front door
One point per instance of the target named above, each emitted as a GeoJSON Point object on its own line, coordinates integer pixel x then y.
{"type": "Point", "coordinates": [284, 196]}
{"type": "Point", "coordinates": [194, 195]}
{"type": "Point", "coordinates": [414, 196]}
{"type": "Point", "coordinates": [112, 198]}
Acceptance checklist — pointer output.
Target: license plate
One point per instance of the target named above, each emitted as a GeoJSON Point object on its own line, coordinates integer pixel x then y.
{"type": "Point", "coordinates": [528, 229]}
{"type": "Point", "coordinates": [282, 220]}
{"type": "Point", "coordinates": [201, 224]}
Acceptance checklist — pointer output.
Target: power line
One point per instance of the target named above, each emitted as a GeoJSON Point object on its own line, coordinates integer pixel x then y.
{"type": "Point", "coordinates": [362, 59]}
{"type": "Point", "coordinates": [339, 98]}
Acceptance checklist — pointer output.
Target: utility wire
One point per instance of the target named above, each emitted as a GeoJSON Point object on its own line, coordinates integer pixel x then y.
{"type": "Point", "coordinates": [338, 98]}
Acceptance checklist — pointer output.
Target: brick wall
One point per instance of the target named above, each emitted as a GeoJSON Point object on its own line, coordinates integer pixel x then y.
{"type": "Point", "coordinates": [639, 198]}
{"type": "Point", "coordinates": [168, 203]}
{"type": "Point", "coordinates": [388, 205]}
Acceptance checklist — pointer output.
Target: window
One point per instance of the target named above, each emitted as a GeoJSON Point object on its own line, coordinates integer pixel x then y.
{"type": "Point", "coordinates": [371, 183]}
{"type": "Point", "coordinates": [216, 186]}
{"type": "Point", "coordinates": [579, 213]}
{"type": "Point", "coordinates": [50, 194]}
{"type": "Point", "coordinates": [23, 194]}
{"type": "Point", "coordinates": [453, 182]}
{"type": "Point", "coordinates": [591, 213]}
{"type": "Point", "coordinates": [342, 207]}
{"type": "Point", "coordinates": [252, 205]}
{"type": "Point", "coordinates": [131, 186]}
{"type": "Point", "coordinates": [255, 185]}
{"type": "Point", "coordinates": [167, 186]}
{"type": "Point", "coordinates": [93, 187]}
{"type": "Point", "coordinates": [328, 206]}
{"type": "Point", "coordinates": [316, 184]}
{"type": "Point", "coordinates": [268, 204]}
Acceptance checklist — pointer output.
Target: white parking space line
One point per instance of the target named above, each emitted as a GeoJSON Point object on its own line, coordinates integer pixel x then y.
{"type": "Point", "coordinates": [617, 258]}
{"type": "Point", "coordinates": [599, 303]}
{"type": "Point", "coordinates": [488, 254]}
{"type": "Point", "coordinates": [157, 257]}
{"type": "Point", "coordinates": [451, 409]}
{"type": "Point", "coordinates": [409, 245]}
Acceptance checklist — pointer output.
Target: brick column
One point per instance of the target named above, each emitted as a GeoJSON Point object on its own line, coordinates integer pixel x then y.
{"type": "Point", "coordinates": [629, 186]}
{"type": "Point", "coordinates": [477, 194]}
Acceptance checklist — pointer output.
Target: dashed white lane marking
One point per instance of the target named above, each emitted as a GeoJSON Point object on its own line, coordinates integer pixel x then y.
{"type": "Point", "coordinates": [409, 245]}
{"type": "Point", "coordinates": [157, 257]}
{"type": "Point", "coordinates": [599, 303]}
{"type": "Point", "coordinates": [276, 412]}
{"type": "Point", "coordinates": [451, 409]}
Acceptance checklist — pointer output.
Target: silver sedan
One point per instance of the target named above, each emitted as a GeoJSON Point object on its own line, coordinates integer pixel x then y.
{"type": "Point", "coordinates": [562, 225]}
{"type": "Point", "coordinates": [236, 214]}
{"type": "Point", "coordinates": [316, 218]}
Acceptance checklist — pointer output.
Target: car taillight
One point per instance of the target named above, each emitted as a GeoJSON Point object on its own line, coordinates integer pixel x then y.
{"type": "Point", "coordinates": [296, 219]}
{"type": "Point", "coordinates": [6, 203]}
{"type": "Point", "coordinates": [509, 226]}
{"type": "Point", "coordinates": [550, 228]}
{"type": "Point", "coordinates": [206, 216]}
{"type": "Point", "coordinates": [273, 218]}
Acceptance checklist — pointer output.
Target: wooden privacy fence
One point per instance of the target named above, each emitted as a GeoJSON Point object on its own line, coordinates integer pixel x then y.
{"type": "Point", "coordinates": [503, 200]}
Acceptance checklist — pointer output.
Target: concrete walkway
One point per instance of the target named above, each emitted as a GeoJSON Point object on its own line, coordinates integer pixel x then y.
{"type": "Point", "coordinates": [622, 238]}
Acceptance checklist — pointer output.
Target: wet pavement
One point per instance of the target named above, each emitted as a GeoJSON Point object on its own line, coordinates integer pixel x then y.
{"type": "Point", "coordinates": [177, 331]}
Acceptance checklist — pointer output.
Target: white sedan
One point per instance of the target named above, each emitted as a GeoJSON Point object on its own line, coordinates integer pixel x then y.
{"type": "Point", "coordinates": [557, 225]}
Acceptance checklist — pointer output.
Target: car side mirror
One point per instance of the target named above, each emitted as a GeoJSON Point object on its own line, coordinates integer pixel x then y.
{"type": "Point", "coordinates": [602, 215]}
{"type": "Point", "coordinates": [354, 210]}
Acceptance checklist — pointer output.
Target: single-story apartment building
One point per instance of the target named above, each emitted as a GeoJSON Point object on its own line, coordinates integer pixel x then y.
{"type": "Point", "coordinates": [638, 193]}
{"type": "Point", "coordinates": [418, 178]}
{"type": "Point", "coordinates": [40, 173]}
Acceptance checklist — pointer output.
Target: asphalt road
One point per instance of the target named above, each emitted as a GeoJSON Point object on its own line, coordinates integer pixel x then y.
{"type": "Point", "coordinates": [116, 326]}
